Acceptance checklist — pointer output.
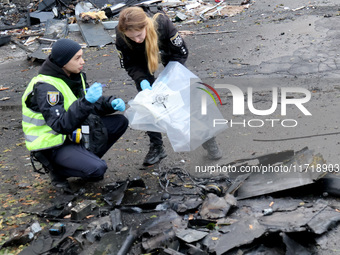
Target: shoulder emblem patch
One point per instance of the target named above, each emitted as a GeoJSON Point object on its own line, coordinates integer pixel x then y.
{"type": "Point", "coordinates": [176, 40]}
{"type": "Point", "coordinates": [53, 97]}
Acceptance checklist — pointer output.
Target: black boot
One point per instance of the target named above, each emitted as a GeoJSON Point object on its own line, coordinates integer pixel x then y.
{"type": "Point", "coordinates": [93, 179]}
{"type": "Point", "coordinates": [155, 154]}
{"type": "Point", "coordinates": [59, 181]}
{"type": "Point", "coordinates": [212, 148]}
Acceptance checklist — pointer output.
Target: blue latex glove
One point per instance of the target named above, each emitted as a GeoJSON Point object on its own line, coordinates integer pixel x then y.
{"type": "Point", "coordinates": [145, 85]}
{"type": "Point", "coordinates": [94, 92]}
{"type": "Point", "coordinates": [118, 104]}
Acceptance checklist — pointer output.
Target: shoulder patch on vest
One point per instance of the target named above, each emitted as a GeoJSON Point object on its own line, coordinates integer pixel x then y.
{"type": "Point", "coordinates": [176, 40]}
{"type": "Point", "coordinates": [53, 97]}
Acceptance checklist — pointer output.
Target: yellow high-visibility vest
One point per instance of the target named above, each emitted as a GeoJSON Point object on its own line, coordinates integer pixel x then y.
{"type": "Point", "coordinates": [38, 135]}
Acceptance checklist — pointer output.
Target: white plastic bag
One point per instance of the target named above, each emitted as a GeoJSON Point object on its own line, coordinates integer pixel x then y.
{"type": "Point", "coordinates": [173, 106]}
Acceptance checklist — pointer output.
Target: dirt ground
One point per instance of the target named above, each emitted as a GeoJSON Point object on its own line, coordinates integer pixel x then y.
{"type": "Point", "coordinates": [268, 45]}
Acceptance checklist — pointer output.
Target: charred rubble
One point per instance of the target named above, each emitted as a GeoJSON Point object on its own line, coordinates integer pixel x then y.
{"type": "Point", "coordinates": [280, 213]}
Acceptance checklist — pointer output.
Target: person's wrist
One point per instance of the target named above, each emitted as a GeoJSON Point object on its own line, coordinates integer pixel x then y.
{"type": "Point", "coordinates": [88, 100]}
{"type": "Point", "coordinates": [91, 100]}
{"type": "Point", "coordinates": [145, 84]}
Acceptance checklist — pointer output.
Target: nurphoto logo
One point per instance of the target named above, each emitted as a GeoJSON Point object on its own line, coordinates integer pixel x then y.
{"type": "Point", "coordinates": [204, 97]}
{"type": "Point", "coordinates": [239, 101]}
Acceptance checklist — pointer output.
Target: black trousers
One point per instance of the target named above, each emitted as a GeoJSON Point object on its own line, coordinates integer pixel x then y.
{"type": "Point", "coordinates": [155, 138]}
{"type": "Point", "coordinates": [74, 160]}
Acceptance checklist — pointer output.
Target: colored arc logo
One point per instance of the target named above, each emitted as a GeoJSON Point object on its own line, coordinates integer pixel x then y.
{"type": "Point", "coordinates": [207, 91]}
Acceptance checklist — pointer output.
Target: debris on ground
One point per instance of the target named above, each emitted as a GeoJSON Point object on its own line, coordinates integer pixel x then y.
{"type": "Point", "coordinates": [41, 24]}
{"type": "Point", "coordinates": [190, 215]}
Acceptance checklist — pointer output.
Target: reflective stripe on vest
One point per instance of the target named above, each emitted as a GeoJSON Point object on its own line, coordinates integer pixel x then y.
{"type": "Point", "coordinates": [38, 135]}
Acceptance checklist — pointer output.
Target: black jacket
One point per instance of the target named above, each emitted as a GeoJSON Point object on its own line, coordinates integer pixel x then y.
{"type": "Point", "coordinates": [61, 121]}
{"type": "Point", "coordinates": [133, 55]}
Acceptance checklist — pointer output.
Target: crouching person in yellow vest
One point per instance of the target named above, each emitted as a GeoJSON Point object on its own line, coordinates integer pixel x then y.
{"type": "Point", "coordinates": [69, 125]}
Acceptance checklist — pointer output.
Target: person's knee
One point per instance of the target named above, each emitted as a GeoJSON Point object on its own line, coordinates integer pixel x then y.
{"type": "Point", "coordinates": [99, 169]}
{"type": "Point", "coordinates": [117, 123]}
{"type": "Point", "coordinates": [123, 121]}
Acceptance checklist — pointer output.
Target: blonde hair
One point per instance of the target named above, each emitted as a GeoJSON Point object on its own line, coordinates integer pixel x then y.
{"type": "Point", "coordinates": [134, 18]}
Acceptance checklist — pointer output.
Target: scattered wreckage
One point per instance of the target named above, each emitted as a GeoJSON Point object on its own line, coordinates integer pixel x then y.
{"type": "Point", "coordinates": [48, 20]}
{"type": "Point", "coordinates": [247, 213]}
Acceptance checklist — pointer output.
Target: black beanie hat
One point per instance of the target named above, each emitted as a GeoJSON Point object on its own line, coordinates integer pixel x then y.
{"type": "Point", "coordinates": [63, 50]}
